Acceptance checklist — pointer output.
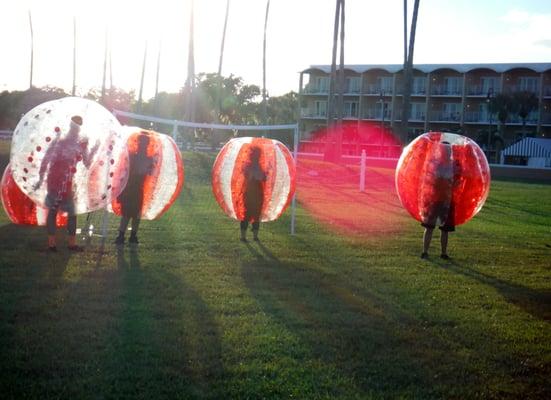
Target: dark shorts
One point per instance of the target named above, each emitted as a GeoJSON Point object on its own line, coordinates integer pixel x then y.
{"type": "Point", "coordinates": [445, 228]}
{"type": "Point", "coordinates": [447, 225]}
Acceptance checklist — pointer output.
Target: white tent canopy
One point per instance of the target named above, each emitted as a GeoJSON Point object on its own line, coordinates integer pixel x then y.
{"type": "Point", "coordinates": [537, 150]}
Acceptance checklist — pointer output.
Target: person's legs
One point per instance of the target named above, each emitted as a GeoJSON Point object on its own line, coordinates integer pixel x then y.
{"type": "Point", "coordinates": [444, 242]}
{"type": "Point", "coordinates": [72, 231]}
{"type": "Point", "coordinates": [134, 232]}
{"type": "Point", "coordinates": [256, 228]}
{"type": "Point", "coordinates": [51, 228]}
{"type": "Point", "coordinates": [122, 228]}
{"type": "Point", "coordinates": [427, 237]}
{"type": "Point", "coordinates": [243, 227]}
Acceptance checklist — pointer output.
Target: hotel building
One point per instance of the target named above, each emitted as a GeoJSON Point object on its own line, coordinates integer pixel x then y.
{"type": "Point", "coordinates": [444, 97]}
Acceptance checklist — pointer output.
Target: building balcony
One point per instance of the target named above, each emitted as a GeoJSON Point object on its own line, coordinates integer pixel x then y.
{"type": "Point", "coordinates": [414, 117]}
{"type": "Point", "coordinates": [375, 114]}
{"type": "Point", "coordinates": [519, 88]}
{"type": "Point", "coordinates": [415, 91]}
{"type": "Point", "coordinates": [312, 89]}
{"type": "Point", "coordinates": [440, 116]}
{"type": "Point", "coordinates": [532, 119]}
{"type": "Point", "coordinates": [441, 90]}
{"type": "Point", "coordinates": [312, 114]}
{"type": "Point", "coordinates": [374, 89]}
{"type": "Point", "coordinates": [480, 91]}
{"type": "Point", "coordinates": [477, 117]}
{"type": "Point", "coordinates": [546, 119]}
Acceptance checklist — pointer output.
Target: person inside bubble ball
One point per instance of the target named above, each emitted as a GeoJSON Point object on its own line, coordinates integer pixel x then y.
{"type": "Point", "coordinates": [253, 194]}
{"type": "Point", "coordinates": [441, 211]}
{"type": "Point", "coordinates": [131, 198]}
{"type": "Point", "coordinates": [59, 166]}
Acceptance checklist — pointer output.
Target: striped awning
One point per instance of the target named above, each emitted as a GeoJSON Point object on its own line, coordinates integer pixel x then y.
{"type": "Point", "coordinates": [530, 147]}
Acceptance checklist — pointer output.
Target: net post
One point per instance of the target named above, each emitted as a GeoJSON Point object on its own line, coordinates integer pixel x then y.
{"type": "Point", "coordinates": [362, 171]}
{"type": "Point", "coordinates": [296, 140]}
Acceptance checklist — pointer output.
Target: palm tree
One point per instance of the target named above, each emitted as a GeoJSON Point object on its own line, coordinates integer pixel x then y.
{"type": "Point", "coordinates": [32, 49]}
{"type": "Point", "coordinates": [502, 105]}
{"type": "Point", "coordinates": [73, 91]}
{"type": "Point", "coordinates": [525, 102]}
{"type": "Point", "coordinates": [140, 96]}
{"type": "Point", "coordinates": [408, 66]}
{"type": "Point", "coordinates": [106, 52]}
{"type": "Point", "coordinates": [339, 23]}
{"type": "Point", "coordinates": [264, 106]}
{"type": "Point", "coordinates": [219, 89]}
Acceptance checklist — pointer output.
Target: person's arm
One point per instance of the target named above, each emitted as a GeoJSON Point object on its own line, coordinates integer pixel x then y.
{"type": "Point", "coordinates": [87, 156]}
{"type": "Point", "coordinates": [44, 165]}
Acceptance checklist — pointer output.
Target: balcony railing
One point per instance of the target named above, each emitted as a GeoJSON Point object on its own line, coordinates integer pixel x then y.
{"type": "Point", "coordinates": [414, 117]}
{"type": "Point", "coordinates": [479, 90]}
{"type": "Point", "coordinates": [445, 116]}
{"type": "Point", "coordinates": [519, 88]}
{"type": "Point", "coordinates": [546, 118]}
{"type": "Point", "coordinates": [325, 91]}
{"type": "Point", "coordinates": [314, 89]}
{"type": "Point", "coordinates": [442, 90]}
{"type": "Point", "coordinates": [308, 113]}
{"type": "Point", "coordinates": [377, 89]}
{"type": "Point", "coordinates": [375, 114]}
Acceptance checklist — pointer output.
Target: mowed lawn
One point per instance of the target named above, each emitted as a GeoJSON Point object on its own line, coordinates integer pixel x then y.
{"type": "Point", "coordinates": [193, 313]}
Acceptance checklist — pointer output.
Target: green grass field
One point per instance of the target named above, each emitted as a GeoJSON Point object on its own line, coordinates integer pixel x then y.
{"type": "Point", "coordinates": [194, 313]}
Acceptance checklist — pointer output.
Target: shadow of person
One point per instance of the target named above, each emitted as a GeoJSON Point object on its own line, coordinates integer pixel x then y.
{"type": "Point", "coordinates": [165, 332]}
{"type": "Point", "coordinates": [534, 301]}
{"type": "Point", "coordinates": [267, 252]}
{"type": "Point", "coordinates": [352, 331]}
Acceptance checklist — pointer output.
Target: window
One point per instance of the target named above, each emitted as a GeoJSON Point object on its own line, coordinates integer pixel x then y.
{"type": "Point", "coordinates": [350, 108]}
{"type": "Point", "coordinates": [528, 83]}
{"type": "Point", "coordinates": [320, 108]}
{"type": "Point", "coordinates": [452, 111]}
{"type": "Point", "coordinates": [452, 85]}
{"type": "Point", "coordinates": [322, 84]}
{"type": "Point", "coordinates": [419, 84]}
{"type": "Point", "coordinates": [352, 84]}
{"type": "Point", "coordinates": [385, 83]}
{"type": "Point", "coordinates": [489, 84]}
{"type": "Point", "coordinates": [418, 111]}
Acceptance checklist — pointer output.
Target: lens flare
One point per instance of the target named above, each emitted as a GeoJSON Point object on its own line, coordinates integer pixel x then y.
{"type": "Point", "coordinates": [328, 186]}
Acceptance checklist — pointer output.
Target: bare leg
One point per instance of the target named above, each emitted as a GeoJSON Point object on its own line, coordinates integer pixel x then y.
{"type": "Point", "coordinates": [72, 230]}
{"type": "Point", "coordinates": [256, 228]}
{"type": "Point", "coordinates": [51, 227]}
{"type": "Point", "coordinates": [134, 234]}
{"type": "Point", "coordinates": [122, 229]}
{"type": "Point", "coordinates": [444, 242]}
{"type": "Point", "coordinates": [427, 237]}
{"type": "Point", "coordinates": [124, 224]}
{"type": "Point", "coordinates": [243, 227]}
{"type": "Point", "coordinates": [135, 226]}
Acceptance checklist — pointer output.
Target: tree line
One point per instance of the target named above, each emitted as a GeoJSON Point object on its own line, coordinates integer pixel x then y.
{"type": "Point", "coordinates": [216, 99]}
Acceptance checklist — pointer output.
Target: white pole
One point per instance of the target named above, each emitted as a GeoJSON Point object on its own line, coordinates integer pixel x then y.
{"type": "Point", "coordinates": [104, 228]}
{"type": "Point", "coordinates": [362, 172]}
{"type": "Point", "coordinates": [294, 202]}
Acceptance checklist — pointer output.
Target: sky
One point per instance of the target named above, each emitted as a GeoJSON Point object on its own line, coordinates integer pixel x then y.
{"type": "Point", "coordinates": [300, 34]}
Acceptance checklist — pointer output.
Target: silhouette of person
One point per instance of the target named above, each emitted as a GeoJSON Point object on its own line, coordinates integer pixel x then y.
{"type": "Point", "coordinates": [442, 211]}
{"type": "Point", "coordinates": [253, 194]}
{"type": "Point", "coordinates": [60, 162]}
{"type": "Point", "coordinates": [131, 198]}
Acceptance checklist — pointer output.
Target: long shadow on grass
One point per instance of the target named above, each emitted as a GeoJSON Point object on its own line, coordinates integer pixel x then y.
{"type": "Point", "coordinates": [356, 336]}
{"type": "Point", "coordinates": [166, 343]}
{"type": "Point", "coordinates": [533, 301]}
{"type": "Point", "coordinates": [29, 279]}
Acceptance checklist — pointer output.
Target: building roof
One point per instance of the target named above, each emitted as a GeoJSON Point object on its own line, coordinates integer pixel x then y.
{"type": "Point", "coordinates": [426, 68]}
{"type": "Point", "coordinates": [530, 147]}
